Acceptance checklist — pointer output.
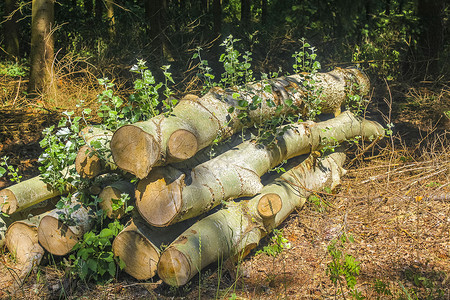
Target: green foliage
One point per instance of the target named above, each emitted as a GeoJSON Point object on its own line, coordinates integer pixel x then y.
{"type": "Point", "coordinates": [278, 243]}
{"type": "Point", "coordinates": [61, 144]}
{"type": "Point", "coordinates": [12, 172]}
{"type": "Point", "coordinates": [122, 202]}
{"type": "Point", "coordinates": [205, 73]}
{"type": "Point", "coordinates": [13, 69]}
{"type": "Point", "coordinates": [343, 268]}
{"type": "Point", "coordinates": [93, 258]}
{"type": "Point", "coordinates": [307, 66]}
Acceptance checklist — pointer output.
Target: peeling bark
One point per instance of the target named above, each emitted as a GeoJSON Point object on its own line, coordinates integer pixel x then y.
{"type": "Point", "coordinates": [235, 230]}
{"type": "Point", "coordinates": [168, 195]}
{"type": "Point", "coordinates": [196, 123]}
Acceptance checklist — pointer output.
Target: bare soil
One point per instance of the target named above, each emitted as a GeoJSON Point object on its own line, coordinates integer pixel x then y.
{"type": "Point", "coordinates": [394, 201]}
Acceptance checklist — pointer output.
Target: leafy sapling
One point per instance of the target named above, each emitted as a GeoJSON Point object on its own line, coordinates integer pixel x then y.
{"type": "Point", "coordinates": [8, 169]}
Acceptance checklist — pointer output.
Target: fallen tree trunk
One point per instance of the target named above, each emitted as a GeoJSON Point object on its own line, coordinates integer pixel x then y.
{"type": "Point", "coordinates": [138, 245]}
{"type": "Point", "coordinates": [27, 213]}
{"type": "Point", "coordinates": [26, 193]}
{"type": "Point", "coordinates": [237, 229]}
{"type": "Point", "coordinates": [196, 123]}
{"type": "Point", "coordinates": [88, 163]}
{"type": "Point", "coordinates": [57, 236]}
{"type": "Point", "coordinates": [113, 192]}
{"type": "Point", "coordinates": [168, 195]}
{"type": "Point", "coordinates": [21, 238]}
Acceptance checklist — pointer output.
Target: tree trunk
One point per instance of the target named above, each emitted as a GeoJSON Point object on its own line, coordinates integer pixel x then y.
{"type": "Point", "coordinates": [111, 18]}
{"type": "Point", "coordinates": [264, 12]}
{"type": "Point", "coordinates": [113, 192]}
{"type": "Point", "coordinates": [168, 196]}
{"type": "Point", "coordinates": [42, 43]}
{"type": "Point", "coordinates": [89, 7]}
{"type": "Point", "coordinates": [237, 229]}
{"type": "Point", "coordinates": [27, 213]}
{"type": "Point", "coordinates": [217, 17]}
{"type": "Point", "coordinates": [59, 237]}
{"type": "Point", "coordinates": [431, 36]}
{"type": "Point", "coordinates": [99, 5]}
{"type": "Point", "coordinates": [21, 237]}
{"type": "Point", "coordinates": [25, 194]}
{"type": "Point", "coordinates": [138, 245]}
{"type": "Point", "coordinates": [245, 13]}
{"type": "Point", "coordinates": [11, 29]}
{"type": "Point", "coordinates": [196, 123]}
{"type": "Point", "coordinates": [87, 163]}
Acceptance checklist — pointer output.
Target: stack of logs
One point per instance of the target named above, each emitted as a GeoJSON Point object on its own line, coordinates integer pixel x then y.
{"type": "Point", "coordinates": [180, 184]}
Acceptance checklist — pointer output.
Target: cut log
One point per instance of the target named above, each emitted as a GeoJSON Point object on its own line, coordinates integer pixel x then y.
{"type": "Point", "coordinates": [87, 163]}
{"type": "Point", "coordinates": [26, 193]}
{"type": "Point", "coordinates": [21, 238]}
{"type": "Point", "coordinates": [27, 213]}
{"type": "Point", "coordinates": [168, 195]}
{"type": "Point", "coordinates": [196, 123]}
{"type": "Point", "coordinates": [235, 230]}
{"type": "Point", "coordinates": [3, 229]}
{"type": "Point", "coordinates": [58, 237]}
{"type": "Point", "coordinates": [113, 192]}
{"type": "Point", "coordinates": [138, 245]}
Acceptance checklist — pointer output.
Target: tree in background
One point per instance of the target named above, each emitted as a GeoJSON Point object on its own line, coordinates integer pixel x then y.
{"type": "Point", "coordinates": [11, 29]}
{"type": "Point", "coordinates": [431, 37]}
{"type": "Point", "coordinates": [42, 46]}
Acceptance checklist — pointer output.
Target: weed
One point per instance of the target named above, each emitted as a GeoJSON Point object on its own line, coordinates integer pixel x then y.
{"type": "Point", "coordinates": [93, 258]}
{"type": "Point", "coordinates": [343, 268]}
{"type": "Point", "coordinates": [12, 172]}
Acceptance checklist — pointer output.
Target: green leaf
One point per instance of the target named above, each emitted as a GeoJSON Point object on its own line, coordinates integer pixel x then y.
{"type": "Point", "coordinates": [2, 171]}
{"type": "Point", "coordinates": [106, 232]}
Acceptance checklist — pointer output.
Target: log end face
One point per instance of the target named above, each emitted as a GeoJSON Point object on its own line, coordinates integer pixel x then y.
{"type": "Point", "coordinates": [20, 240]}
{"type": "Point", "coordinates": [87, 164]}
{"type": "Point", "coordinates": [8, 201]}
{"type": "Point", "coordinates": [269, 205]}
{"type": "Point", "coordinates": [182, 145]}
{"type": "Point", "coordinates": [106, 199]}
{"type": "Point", "coordinates": [134, 150]}
{"type": "Point", "coordinates": [174, 268]}
{"type": "Point", "coordinates": [159, 197]}
{"type": "Point", "coordinates": [55, 236]}
{"type": "Point", "coordinates": [139, 255]}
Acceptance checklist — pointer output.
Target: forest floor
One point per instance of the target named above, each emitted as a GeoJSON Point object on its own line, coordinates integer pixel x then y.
{"type": "Point", "coordinates": [394, 201]}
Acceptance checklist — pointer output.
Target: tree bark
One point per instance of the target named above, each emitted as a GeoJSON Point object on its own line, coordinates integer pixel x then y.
{"type": "Point", "coordinates": [237, 229]}
{"type": "Point", "coordinates": [111, 18]}
{"type": "Point", "coordinates": [42, 46]}
{"type": "Point", "coordinates": [87, 163]}
{"type": "Point", "coordinates": [58, 237]}
{"type": "Point", "coordinates": [113, 192]}
{"type": "Point", "coordinates": [138, 245]}
{"type": "Point", "coordinates": [196, 123]}
{"type": "Point", "coordinates": [11, 29]}
{"type": "Point", "coordinates": [217, 16]}
{"type": "Point", "coordinates": [245, 13]}
{"type": "Point", "coordinates": [21, 237]}
{"type": "Point", "coordinates": [431, 36]}
{"type": "Point", "coordinates": [25, 194]}
{"type": "Point", "coordinates": [168, 195]}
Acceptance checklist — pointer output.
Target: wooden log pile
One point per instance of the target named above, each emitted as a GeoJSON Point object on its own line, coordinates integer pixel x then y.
{"type": "Point", "coordinates": [173, 232]}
